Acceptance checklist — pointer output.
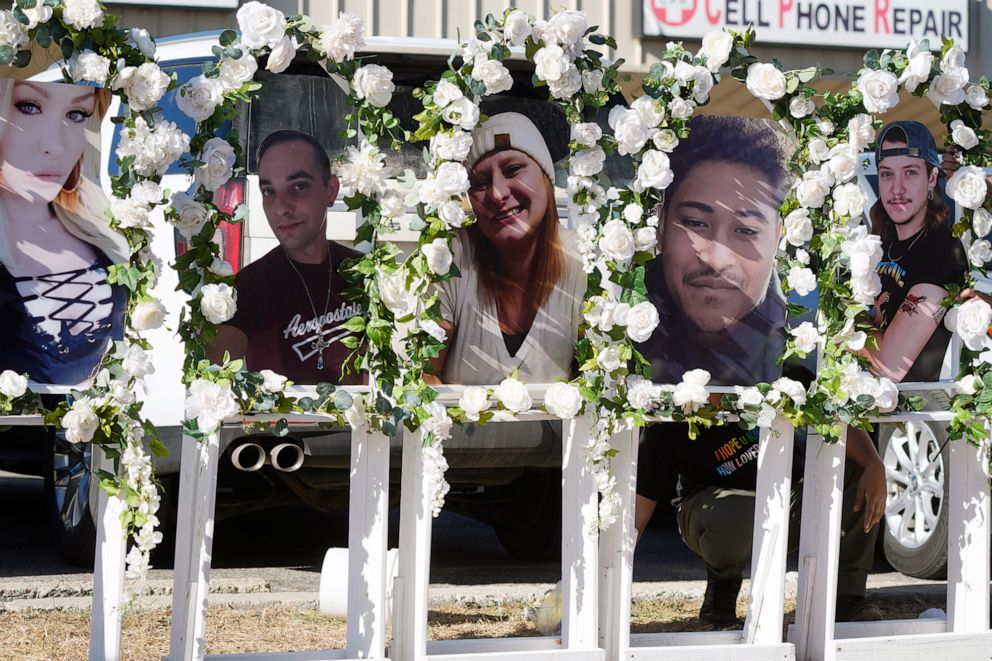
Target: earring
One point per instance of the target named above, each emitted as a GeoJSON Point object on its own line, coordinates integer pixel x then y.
{"type": "Point", "coordinates": [72, 181]}
{"type": "Point", "coordinates": [930, 194]}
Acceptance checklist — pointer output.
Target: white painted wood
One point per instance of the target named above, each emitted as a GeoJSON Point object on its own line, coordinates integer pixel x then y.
{"type": "Point", "coordinates": [332, 655]}
{"type": "Point", "coordinates": [968, 538]}
{"type": "Point", "coordinates": [485, 645]}
{"type": "Point", "coordinates": [108, 568]}
{"type": "Point", "coordinates": [770, 543]}
{"type": "Point", "coordinates": [819, 547]}
{"type": "Point", "coordinates": [194, 544]}
{"type": "Point", "coordinates": [580, 596]}
{"type": "Point", "coordinates": [528, 655]}
{"type": "Point", "coordinates": [616, 551]}
{"type": "Point", "coordinates": [22, 420]}
{"type": "Point", "coordinates": [925, 647]}
{"type": "Point", "coordinates": [844, 630]}
{"type": "Point", "coordinates": [410, 592]}
{"type": "Point", "coordinates": [780, 652]}
{"type": "Point", "coordinates": [368, 510]}
{"type": "Point", "coordinates": [686, 639]}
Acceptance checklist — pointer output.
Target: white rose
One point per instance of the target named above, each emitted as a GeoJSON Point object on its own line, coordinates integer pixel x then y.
{"type": "Point", "coordinates": [702, 84]}
{"type": "Point", "coordinates": [433, 329]}
{"type": "Point", "coordinates": [394, 293]}
{"type": "Point", "coordinates": [680, 108]}
{"type": "Point", "coordinates": [474, 400]}
{"type": "Point", "coordinates": [641, 321]}
{"type": "Point", "coordinates": [879, 90]}
{"type": "Point", "coordinates": [691, 393]}
{"type": "Point", "coordinates": [633, 213]}
{"type": "Point", "coordinates": [970, 384]}
{"type": "Point", "coordinates": [452, 179]}
{"type": "Point", "coordinates": [608, 358]}
{"type": "Point", "coordinates": [342, 37]}
{"type": "Point", "coordinates": [863, 251]}
{"type": "Point", "coordinates": [438, 256]}
{"type": "Point", "coordinates": [825, 127]}
{"type": "Point", "coordinates": [948, 88]}
{"type": "Point", "coordinates": [568, 27]}
{"type": "Point", "coordinates": [121, 393]}
{"type": "Point", "coordinates": [220, 267]}
{"type": "Point", "coordinates": [617, 242]}
{"type": "Point", "coordinates": [587, 162]}
{"type": "Point", "coordinates": [446, 92]}
{"type": "Point", "coordinates": [645, 239]}
{"type": "Point", "coordinates": [12, 384]}
{"type": "Point", "coordinates": [136, 362]}
{"type": "Point", "coordinates": [38, 13]}
{"type": "Point", "coordinates": [641, 393]}
{"type": "Point", "coordinates": [83, 14]}
{"type": "Point", "coordinates": [129, 213]}
{"type": "Point", "coordinates": [650, 110]}
{"type": "Point", "coordinates": [148, 315]}
{"type": "Point", "coordinates": [843, 162]}
{"type": "Point", "coordinates": [716, 48]}
{"type": "Point", "coordinates": [218, 164]}
{"type": "Point", "coordinates": [587, 134]}
{"type": "Point", "coordinates": [886, 395]}
{"type": "Point", "coordinates": [976, 97]}
{"type": "Point", "coordinates": [88, 65]}
{"type": "Point", "coordinates": [141, 39]}
{"type": "Point", "coordinates": [563, 400]}
{"type": "Point", "coordinates": [967, 186]}
{"type": "Point", "coordinates": [282, 55]}
{"type": "Point", "coordinates": [953, 59]}
{"type": "Point", "coordinates": [218, 302]}
{"type": "Point", "coordinates": [451, 146]}
{"type": "Point", "coordinates": [12, 31]}
{"type": "Point", "coordinates": [374, 83]}
{"type": "Point", "coordinates": [260, 25]}
{"type": "Point", "coordinates": [272, 382]}
{"type": "Point", "coordinates": [856, 340]}
{"type": "Point", "coordinates": [191, 216]}
{"type": "Point", "coordinates": [80, 422]}
{"type": "Point", "coordinates": [791, 389]}
{"type": "Point", "coordinates": [798, 227]}
{"type": "Point", "coordinates": [236, 72]}
{"type": "Point", "coordinates": [848, 200]}
{"type": "Point", "coordinates": [801, 106]}
{"type": "Point", "coordinates": [592, 81]}
{"type": "Point", "coordinates": [860, 131]}
{"type": "Point", "coordinates": [963, 135]}
{"type": "Point", "coordinates": [199, 98]}
{"type": "Point", "coordinates": [145, 85]}
{"type": "Point", "coordinates": [628, 129]}
{"type": "Point", "coordinates": [979, 253]}
{"type": "Point", "coordinates": [765, 81]}
{"type": "Point", "coordinates": [801, 280]}
{"type": "Point", "coordinates": [813, 188]}
{"type": "Point", "coordinates": [516, 27]}
{"type": "Point", "coordinates": [750, 396]}
{"type": "Point", "coordinates": [665, 140]}
{"type": "Point", "coordinates": [806, 337]}
{"type": "Point", "coordinates": [654, 171]}
{"type": "Point", "coordinates": [513, 395]}
{"type": "Point", "coordinates": [917, 71]}
{"type": "Point", "coordinates": [802, 256]}
{"type": "Point", "coordinates": [818, 150]}
{"type": "Point", "coordinates": [981, 223]}
{"type": "Point", "coordinates": [568, 84]}
{"type": "Point", "coordinates": [452, 214]}
{"type": "Point", "coordinates": [492, 73]}
{"type": "Point", "coordinates": [970, 321]}
{"type": "Point", "coordinates": [550, 63]}
{"type": "Point", "coordinates": [209, 403]}
{"type": "Point", "coordinates": [866, 288]}
{"type": "Point", "coordinates": [461, 112]}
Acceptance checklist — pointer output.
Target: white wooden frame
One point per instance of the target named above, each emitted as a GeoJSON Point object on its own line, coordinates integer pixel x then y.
{"type": "Point", "coordinates": [368, 510]}
{"type": "Point", "coordinates": [761, 637]}
{"type": "Point", "coordinates": [580, 602]}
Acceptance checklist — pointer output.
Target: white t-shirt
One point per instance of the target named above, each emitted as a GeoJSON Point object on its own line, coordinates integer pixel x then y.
{"type": "Point", "coordinates": [477, 354]}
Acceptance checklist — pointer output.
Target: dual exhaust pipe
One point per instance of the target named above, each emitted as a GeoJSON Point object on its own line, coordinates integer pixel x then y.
{"type": "Point", "coordinates": [285, 457]}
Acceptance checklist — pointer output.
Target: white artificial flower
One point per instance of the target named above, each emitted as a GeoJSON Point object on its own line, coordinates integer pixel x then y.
{"type": "Point", "coordinates": [130, 213]}
{"type": "Point", "coordinates": [813, 189]}
{"type": "Point", "coordinates": [587, 162]}
{"type": "Point", "coordinates": [394, 294]}
{"type": "Point", "coordinates": [863, 251]}
{"type": "Point", "coordinates": [641, 321]}
{"type": "Point", "coordinates": [452, 214]}
{"type": "Point", "coordinates": [221, 268]}
{"type": "Point", "coordinates": [860, 132]}
{"type": "Point", "coordinates": [680, 108]}
{"type": "Point", "coordinates": [142, 40]}
{"type": "Point", "coordinates": [818, 150]}
{"type": "Point", "coordinates": [218, 302]}
{"type": "Point", "coordinates": [451, 179]}
{"type": "Point", "coordinates": [641, 393]}
{"type": "Point", "coordinates": [121, 393]}
{"type": "Point", "coordinates": [563, 400]}
{"type": "Point", "coordinates": [806, 337]}
{"type": "Point", "coordinates": [798, 227]}
{"type": "Point", "coordinates": [233, 73]}
{"type": "Point", "coordinates": [374, 83]}
{"type": "Point", "coordinates": [917, 71]}
{"type": "Point", "coordinates": [342, 37]}
{"type": "Point", "coordinates": [144, 85]}
{"type": "Point", "coordinates": [260, 25]}
{"type": "Point", "coordinates": [392, 205]}
{"type": "Point", "coordinates": [12, 384]}
{"type": "Point", "coordinates": [801, 280]}
{"type": "Point", "coordinates": [825, 127]}
{"type": "Point", "coordinates": [628, 129]}
{"type": "Point", "coordinates": [492, 73]}
{"type": "Point", "coordinates": [474, 401]}
{"type": "Point", "coordinates": [665, 140]}
{"type": "Point", "coordinates": [765, 81]}
{"type": "Point", "coordinates": [272, 382]}
{"type": "Point", "coordinates": [513, 395]}
{"type": "Point", "coordinates": [716, 48]}
{"type": "Point", "coordinates": [650, 110]}
{"type": "Point", "coordinates": [879, 90]}
{"type": "Point", "coordinates": [37, 13]}
{"type": "Point", "coordinates": [608, 358]}
{"type": "Point", "coordinates": [282, 54]}
{"type": "Point", "coordinates": [83, 14]}
{"type": "Point", "coordinates": [438, 422]}
{"type": "Point", "coordinates": [218, 164]}
{"type": "Point", "coordinates": [550, 63]}
{"type": "Point", "coordinates": [148, 315]}
{"type": "Point", "coordinates": [802, 257]}
{"type": "Point", "coordinates": [702, 84]}
{"type": "Point", "coordinates": [948, 88]}
{"type": "Point", "coordinates": [970, 321]}
{"type": "Point", "coordinates": [451, 145]}
{"type": "Point", "coordinates": [750, 396]}
{"type": "Point", "coordinates": [980, 253]}
{"type": "Point", "coordinates": [792, 389]}
{"type": "Point", "coordinates": [461, 113]}
{"type": "Point", "coordinates": [592, 81]}
{"type": "Point", "coordinates": [12, 31]}
{"type": "Point", "coordinates": [516, 27]}
{"type": "Point", "coordinates": [363, 170]}
{"type": "Point", "coordinates": [191, 215]}
{"type": "Point", "coordinates": [801, 106]}
{"type": "Point", "coordinates": [87, 65]}
{"type": "Point", "coordinates": [209, 403]}
{"type": "Point", "coordinates": [617, 242]}
{"type": "Point", "coordinates": [866, 288]}
{"type": "Point", "coordinates": [354, 415]}
{"type": "Point", "coordinates": [645, 239]}
{"type": "Point", "coordinates": [953, 60]}
{"type": "Point", "coordinates": [967, 186]}
{"type": "Point", "coordinates": [81, 421]}
{"type": "Point", "coordinates": [199, 98]}
{"type": "Point", "coordinates": [633, 213]}
{"type": "Point", "coordinates": [848, 200]}
{"type": "Point", "coordinates": [433, 329]}
{"type": "Point", "coordinates": [567, 28]}
{"type": "Point", "coordinates": [981, 223]}
{"type": "Point", "coordinates": [886, 395]}
{"type": "Point", "coordinates": [137, 362]}
{"type": "Point", "coordinates": [970, 384]}
{"type": "Point", "coordinates": [963, 135]}
{"type": "Point", "coordinates": [843, 162]}
{"type": "Point", "coordinates": [446, 92]}
{"type": "Point", "coordinates": [976, 96]}
{"type": "Point", "coordinates": [154, 150]}
{"type": "Point", "coordinates": [654, 171]}
{"type": "Point", "coordinates": [587, 134]}
{"type": "Point", "coordinates": [438, 256]}
{"type": "Point", "coordinates": [691, 392]}
{"type": "Point", "coordinates": [568, 83]}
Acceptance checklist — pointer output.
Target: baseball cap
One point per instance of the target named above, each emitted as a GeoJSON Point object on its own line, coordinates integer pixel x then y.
{"type": "Point", "coordinates": [919, 142]}
{"type": "Point", "coordinates": [510, 130]}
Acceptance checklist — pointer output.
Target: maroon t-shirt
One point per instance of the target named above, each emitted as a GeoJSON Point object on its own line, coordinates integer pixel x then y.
{"type": "Point", "coordinates": [276, 315]}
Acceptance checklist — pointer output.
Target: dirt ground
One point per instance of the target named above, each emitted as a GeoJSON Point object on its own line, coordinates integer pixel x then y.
{"type": "Point", "coordinates": [64, 635]}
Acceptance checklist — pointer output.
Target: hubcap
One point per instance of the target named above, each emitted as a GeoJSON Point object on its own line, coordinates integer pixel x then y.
{"type": "Point", "coordinates": [914, 470]}
{"type": "Point", "coordinates": [71, 471]}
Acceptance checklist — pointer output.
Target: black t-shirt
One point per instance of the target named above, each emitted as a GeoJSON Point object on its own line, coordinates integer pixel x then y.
{"type": "Point", "coordinates": [936, 258]}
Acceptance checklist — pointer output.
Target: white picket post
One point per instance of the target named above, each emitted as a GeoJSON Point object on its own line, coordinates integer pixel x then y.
{"type": "Point", "coordinates": [108, 568]}
{"type": "Point", "coordinates": [580, 597]}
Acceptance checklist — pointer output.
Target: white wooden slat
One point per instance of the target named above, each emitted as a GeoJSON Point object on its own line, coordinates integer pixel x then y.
{"type": "Point", "coordinates": [580, 596]}
{"type": "Point", "coordinates": [108, 569]}
{"type": "Point", "coordinates": [843, 630]}
{"type": "Point", "coordinates": [332, 655]}
{"type": "Point", "coordinates": [924, 647]}
{"type": "Point", "coordinates": [780, 652]}
{"type": "Point", "coordinates": [486, 645]}
{"type": "Point", "coordinates": [528, 655]}
{"type": "Point", "coordinates": [686, 638]}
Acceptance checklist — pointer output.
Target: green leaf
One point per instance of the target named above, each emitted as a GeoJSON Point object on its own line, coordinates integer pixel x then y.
{"type": "Point", "coordinates": [343, 400]}
{"type": "Point", "coordinates": [228, 37]}
{"type": "Point", "coordinates": [356, 324]}
{"type": "Point", "coordinates": [157, 448]}
{"type": "Point", "coordinates": [6, 55]}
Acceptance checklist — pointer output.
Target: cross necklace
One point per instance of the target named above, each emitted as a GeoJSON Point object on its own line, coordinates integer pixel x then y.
{"type": "Point", "coordinates": [318, 345]}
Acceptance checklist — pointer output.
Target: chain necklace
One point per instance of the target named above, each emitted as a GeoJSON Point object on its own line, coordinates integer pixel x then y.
{"type": "Point", "coordinates": [889, 258]}
{"type": "Point", "coordinates": [318, 345]}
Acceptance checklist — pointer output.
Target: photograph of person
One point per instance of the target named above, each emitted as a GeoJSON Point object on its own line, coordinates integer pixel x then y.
{"type": "Point", "coordinates": [291, 310]}
{"type": "Point", "coordinates": [58, 314]}
{"type": "Point", "coordinates": [722, 310]}
{"type": "Point", "coordinates": [920, 256]}
{"type": "Point", "coordinates": [518, 302]}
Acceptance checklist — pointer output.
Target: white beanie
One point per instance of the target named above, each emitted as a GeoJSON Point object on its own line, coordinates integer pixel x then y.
{"type": "Point", "coordinates": [510, 130]}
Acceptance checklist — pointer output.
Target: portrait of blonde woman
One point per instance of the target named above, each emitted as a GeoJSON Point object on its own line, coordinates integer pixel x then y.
{"type": "Point", "coordinates": [58, 313]}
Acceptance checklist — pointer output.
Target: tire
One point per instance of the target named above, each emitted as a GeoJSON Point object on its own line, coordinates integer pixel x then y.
{"type": "Point", "coordinates": [531, 528]}
{"type": "Point", "coordinates": [69, 494]}
{"type": "Point", "coordinates": [916, 460]}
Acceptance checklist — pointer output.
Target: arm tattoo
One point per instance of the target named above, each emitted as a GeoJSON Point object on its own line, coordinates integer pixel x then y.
{"type": "Point", "coordinates": [939, 313]}
{"type": "Point", "coordinates": [911, 303]}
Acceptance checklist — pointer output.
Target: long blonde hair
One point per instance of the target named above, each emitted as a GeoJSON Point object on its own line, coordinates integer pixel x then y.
{"type": "Point", "coordinates": [80, 206]}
